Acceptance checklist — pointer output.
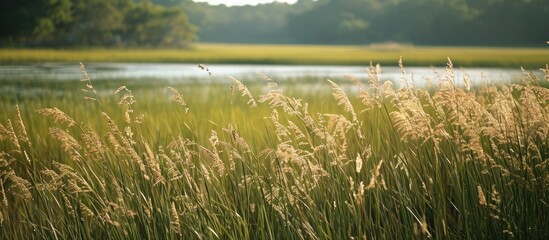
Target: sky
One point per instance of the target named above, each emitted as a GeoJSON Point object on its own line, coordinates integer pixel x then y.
{"type": "Point", "coordinates": [242, 2]}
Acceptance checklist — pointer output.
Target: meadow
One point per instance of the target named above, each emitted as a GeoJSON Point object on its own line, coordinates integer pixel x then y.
{"type": "Point", "coordinates": [353, 159]}
{"type": "Point", "coordinates": [385, 54]}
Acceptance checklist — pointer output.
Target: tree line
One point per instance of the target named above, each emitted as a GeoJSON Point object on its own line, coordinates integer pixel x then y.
{"type": "Point", "coordinates": [93, 23]}
{"type": "Point", "coordinates": [428, 22]}
{"type": "Point", "coordinates": [177, 23]}
{"type": "Point", "coordinates": [421, 22]}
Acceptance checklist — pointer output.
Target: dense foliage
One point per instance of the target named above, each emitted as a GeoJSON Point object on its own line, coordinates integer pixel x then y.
{"type": "Point", "coordinates": [447, 22]}
{"type": "Point", "coordinates": [93, 23]}
{"type": "Point", "coordinates": [423, 22]}
{"type": "Point", "coordinates": [164, 22]}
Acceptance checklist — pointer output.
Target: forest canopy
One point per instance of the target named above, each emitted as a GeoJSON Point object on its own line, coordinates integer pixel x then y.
{"type": "Point", "coordinates": [421, 22]}
{"type": "Point", "coordinates": [177, 23]}
{"type": "Point", "coordinates": [93, 23]}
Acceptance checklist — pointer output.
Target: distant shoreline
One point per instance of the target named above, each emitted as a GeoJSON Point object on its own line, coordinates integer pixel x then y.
{"type": "Point", "coordinates": [502, 57]}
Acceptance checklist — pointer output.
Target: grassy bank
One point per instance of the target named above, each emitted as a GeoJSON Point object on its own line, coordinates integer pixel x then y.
{"type": "Point", "coordinates": [532, 58]}
{"type": "Point", "coordinates": [342, 161]}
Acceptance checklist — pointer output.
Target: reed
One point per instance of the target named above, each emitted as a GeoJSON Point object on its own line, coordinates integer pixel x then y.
{"type": "Point", "coordinates": [380, 162]}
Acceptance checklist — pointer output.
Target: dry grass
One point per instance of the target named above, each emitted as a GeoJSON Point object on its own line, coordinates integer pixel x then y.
{"type": "Point", "coordinates": [448, 162]}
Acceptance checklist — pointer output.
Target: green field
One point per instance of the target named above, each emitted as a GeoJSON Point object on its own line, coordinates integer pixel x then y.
{"type": "Point", "coordinates": [293, 54]}
{"type": "Point", "coordinates": [274, 161]}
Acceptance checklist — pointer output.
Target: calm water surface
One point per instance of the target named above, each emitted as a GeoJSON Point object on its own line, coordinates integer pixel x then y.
{"type": "Point", "coordinates": [191, 73]}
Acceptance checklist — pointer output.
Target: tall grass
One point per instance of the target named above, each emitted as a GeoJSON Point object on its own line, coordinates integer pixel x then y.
{"type": "Point", "coordinates": [256, 162]}
{"type": "Point", "coordinates": [292, 54]}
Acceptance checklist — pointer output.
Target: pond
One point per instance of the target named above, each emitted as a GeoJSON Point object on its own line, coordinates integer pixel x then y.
{"type": "Point", "coordinates": [182, 73]}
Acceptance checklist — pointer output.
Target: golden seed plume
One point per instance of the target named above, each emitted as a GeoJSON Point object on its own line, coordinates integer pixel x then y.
{"type": "Point", "coordinates": [57, 116]}
{"type": "Point", "coordinates": [23, 136]}
{"type": "Point", "coordinates": [3, 193]}
{"type": "Point", "coordinates": [174, 220]}
{"type": "Point", "coordinates": [481, 196]}
{"type": "Point", "coordinates": [92, 142]}
{"type": "Point", "coordinates": [8, 132]}
{"type": "Point", "coordinates": [154, 166]}
{"type": "Point", "coordinates": [68, 143]}
{"type": "Point", "coordinates": [375, 175]}
{"type": "Point", "coordinates": [178, 98]}
{"type": "Point", "coordinates": [86, 210]}
{"type": "Point", "coordinates": [342, 99]}
{"type": "Point", "coordinates": [244, 91]}
{"type": "Point", "coordinates": [358, 162]}
{"type": "Point", "coordinates": [20, 187]}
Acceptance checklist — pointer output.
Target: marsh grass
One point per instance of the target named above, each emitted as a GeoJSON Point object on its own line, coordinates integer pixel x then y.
{"type": "Point", "coordinates": [292, 54]}
{"type": "Point", "coordinates": [259, 162]}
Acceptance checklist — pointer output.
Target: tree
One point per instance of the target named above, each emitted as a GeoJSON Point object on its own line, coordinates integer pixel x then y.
{"type": "Point", "coordinates": [96, 22]}
{"type": "Point", "coordinates": [32, 21]}
{"type": "Point", "coordinates": [426, 22]}
{"type": "Point", "coordinates": [154, 25]}
{"type": "Point", "coordinates": [336, 21]}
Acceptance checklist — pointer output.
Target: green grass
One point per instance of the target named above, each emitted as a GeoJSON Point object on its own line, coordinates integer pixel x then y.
{"type": "Point", "coordinates": [441, 163]}
{"type": "Point", "coordinates": [532, 58]}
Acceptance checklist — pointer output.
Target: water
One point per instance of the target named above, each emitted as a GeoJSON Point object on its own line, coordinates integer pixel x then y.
{"type": "Point", "coordinates": [182, 73]}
